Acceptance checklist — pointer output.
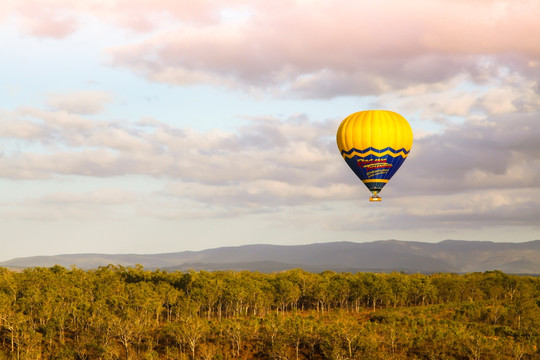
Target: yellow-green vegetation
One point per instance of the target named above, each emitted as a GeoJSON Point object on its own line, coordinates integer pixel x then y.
{"type": "Point", "coordinates": [132, 313]}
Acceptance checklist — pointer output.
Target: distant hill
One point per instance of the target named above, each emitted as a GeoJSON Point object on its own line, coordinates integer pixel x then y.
{"type": "Point", "coordinates": [389, 255]}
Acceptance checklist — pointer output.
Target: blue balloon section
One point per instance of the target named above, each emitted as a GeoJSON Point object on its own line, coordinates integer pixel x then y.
{"type": "Point", "coordinates": [375, 166]}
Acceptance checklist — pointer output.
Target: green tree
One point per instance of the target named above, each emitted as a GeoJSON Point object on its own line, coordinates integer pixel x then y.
{"type": "Point", "coordinates": [188, 332]}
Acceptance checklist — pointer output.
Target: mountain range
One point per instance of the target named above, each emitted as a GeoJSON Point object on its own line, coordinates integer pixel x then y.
{"type": "Point", "coordinates": [378, 256]}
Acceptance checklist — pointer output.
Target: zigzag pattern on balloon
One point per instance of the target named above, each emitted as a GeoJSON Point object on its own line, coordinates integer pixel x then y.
{"type": "Point", "coordinates": [372, 151]}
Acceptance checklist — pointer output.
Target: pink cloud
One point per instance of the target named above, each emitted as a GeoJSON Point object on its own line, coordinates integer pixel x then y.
{"type": "Point", "coordinates": [145, 15]}
{"type": "Point", "coordinates": [47, 20]}
{"type": "Point", "coordinates": [306, 48]}
{"type": "Point", "coordinates": [300, 29]}
{"type": "Point", "coordinates": [23, 130]}
{"type": "Point", "coordinates": [324, 49]}
{"type": "Point", "coordinates": [53, 27]}
{"type": "Point", "coordinates": [59, 18]}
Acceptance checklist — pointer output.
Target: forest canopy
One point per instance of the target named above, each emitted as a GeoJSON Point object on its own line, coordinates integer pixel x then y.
{"type": "Point", "coordinates": [115, 312]}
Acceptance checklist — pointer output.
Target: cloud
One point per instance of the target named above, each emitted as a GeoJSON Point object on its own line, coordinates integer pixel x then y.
{"type": "Point", "coordinates": [20, 130]}
{"type": "Point", "coordinates": [47, 18]}
{"type": "Point", "coordinates": [483, 209]}
{"type": "Point", "coordinates": [71, 144]}
{"type": "Point", "coordinates": [325, 50]}
{"type": "Point", "coordinates": [274, 155]}
{"type": "Point", "coordinates": [467, 174]}
{"type": "Point", "coordinates": [459, 98]}
{"type": "Point", "coordinates": [105, 196]}
{"type": "Point", "coordinates": [260, 195]}
{"type": "Point", "coordinates": [83, 102]}
{"type": "Point", "coordinates": [498, 152]}
{"type": "Point", "coordinates": [58, 206]}
{"type": "Point", "coordinates": [60, 18]}
{"type": "Point", "coordinates": [315, 49]}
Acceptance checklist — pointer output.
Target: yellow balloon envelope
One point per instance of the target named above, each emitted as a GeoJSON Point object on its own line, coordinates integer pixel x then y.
{"type": "Point", "coordinates": [374, 143]}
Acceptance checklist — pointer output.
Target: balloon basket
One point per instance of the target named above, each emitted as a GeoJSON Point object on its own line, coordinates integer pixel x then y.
{"type": "Point", "coordinates": [375, 198]}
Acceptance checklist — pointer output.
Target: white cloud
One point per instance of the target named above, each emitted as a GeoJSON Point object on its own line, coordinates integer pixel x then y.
{"type": "Point", "coordinates": [83, 102]}
{"type": "Point", "coordinates": [499, 152]}
{"type": "Point", "coordinates": [482, 168]}
{"type": "Point", "coordinates": [57, 206]}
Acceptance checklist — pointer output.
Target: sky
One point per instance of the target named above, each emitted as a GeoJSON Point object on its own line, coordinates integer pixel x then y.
{"type": "Point", "coordinates": [151, 126]}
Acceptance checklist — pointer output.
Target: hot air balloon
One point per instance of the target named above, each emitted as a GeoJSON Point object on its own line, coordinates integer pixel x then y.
{"type": "Point", "coordinates": [374, 143]}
